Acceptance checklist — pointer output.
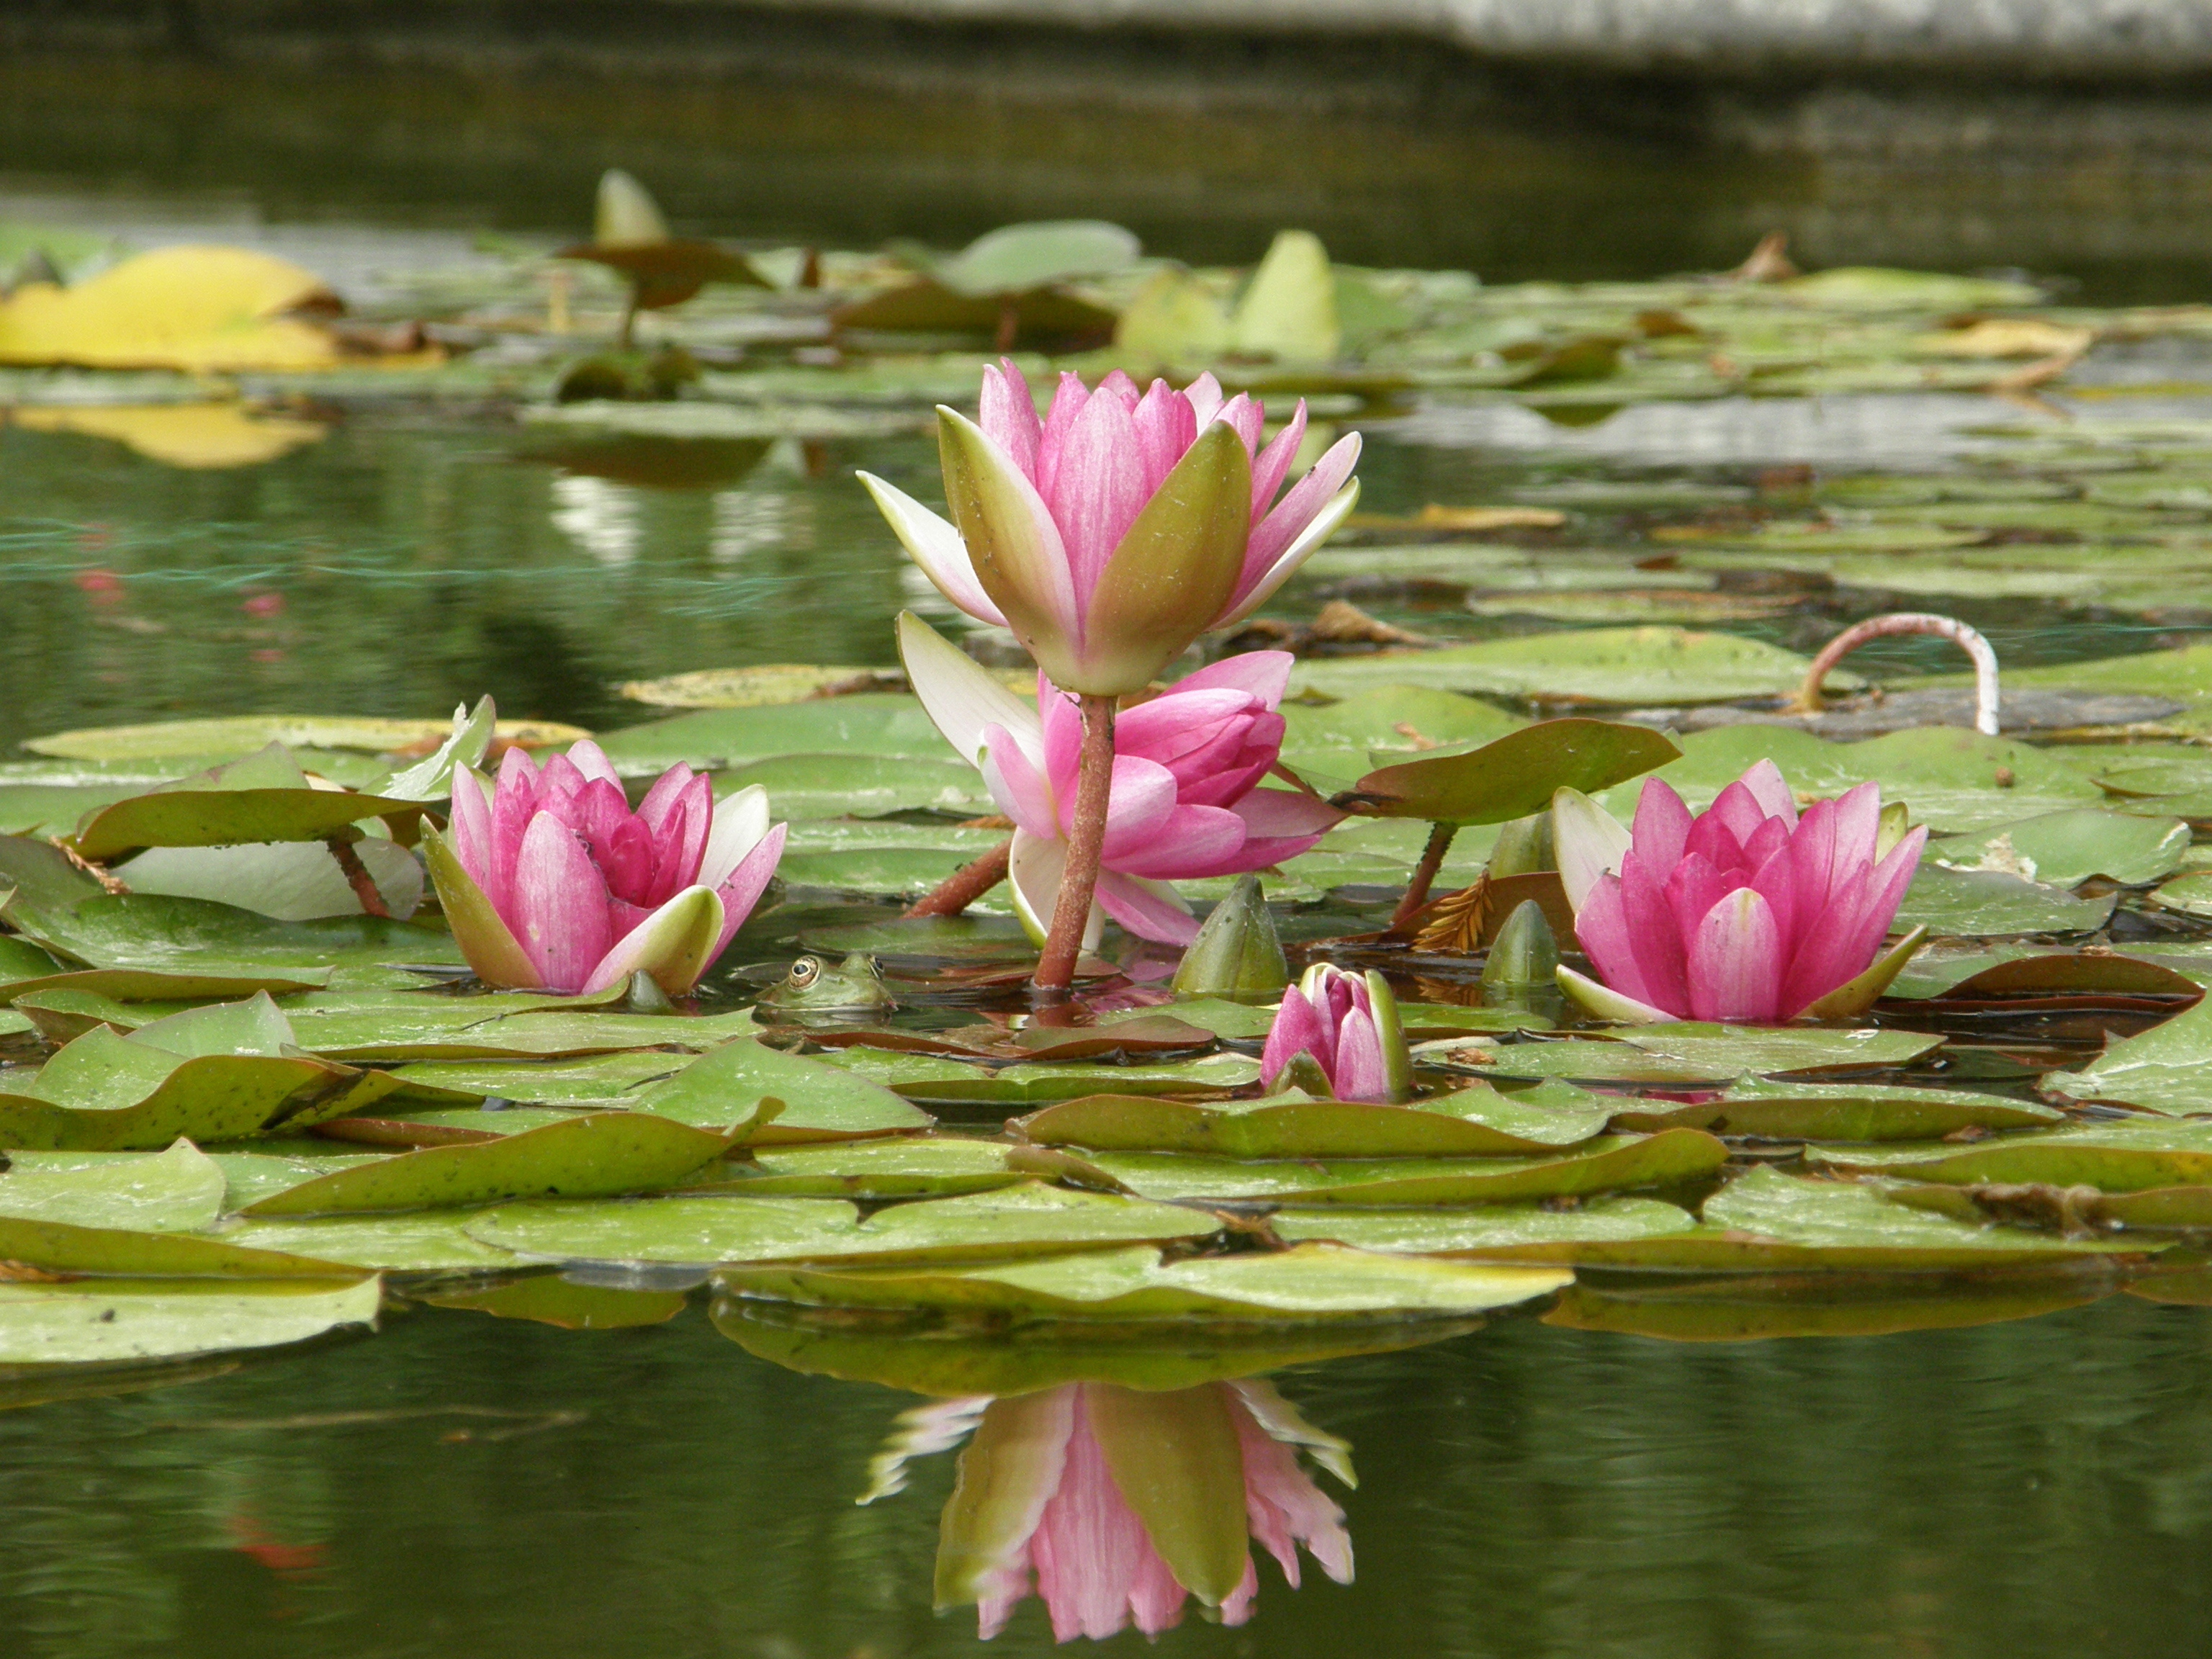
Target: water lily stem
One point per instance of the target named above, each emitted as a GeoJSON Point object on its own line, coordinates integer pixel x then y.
{"type": "Point", "coordinates": [358, 877]}
{"type": "Point", "coordinates": [1086, 839]}
{"type": "Point", "coordinates": [1968, 640]}
{"type": "Point", "coordinates": [1424, 872]}
{"type": "Point", "coordinates": [965, 885]}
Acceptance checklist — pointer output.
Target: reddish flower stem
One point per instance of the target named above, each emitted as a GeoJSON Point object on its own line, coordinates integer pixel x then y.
{"type": "Point", "coordinates": [1808, 699]}
{"type": "Point", "coordinates": [1086, 839]}
{"type": "Point", "coordinates": [358, 877]}
{"type": "Point", "coordinates": [1424, 872]}
{"type": "Point", "coordinates": [965, 885]}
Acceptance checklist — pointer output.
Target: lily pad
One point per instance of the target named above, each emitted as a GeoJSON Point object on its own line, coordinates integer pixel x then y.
{"type": "Point", "coordinates": [2168, 1069]}
{"type": "Point", "coordinates": [1608, 1163]}
{"type": "Point", "coordinates": [153, 932]}
{"type": "Point", "coordinates": [141, 1320]}
{"type": "Point", "coordinates": [1477, 1121]}
{"type": "Point", "coordinates": [878, 724]}
{"type": "Point", "coordinates": [861, 786]}
{"type": "Point", "coordinates": [1308, 1282]}
{"type": "Point", "coordinates": [913, 1166]}
{"type": "Point", "coordinates": [2064, 849]}
{"type": "Point", "coordinates": [1990, 904]}
{"type": "Point", "coordinates": [1514, 776]}
{"type": "Point", "coordinates": [215, 809]}
{"type": "Point", "coordinates": [928, 1077]}
{"type": "Point", "coordinates": [62, 1247]}
{"type": "Point", "coordinates": [1500, 1232]}
{"type": "Point", "coordinates": [428, 1241]}
{"type": "Point", "coordinates": [581, 1080]}
{"type": "Point", "coordinates": [596, 1155]}
{"type": "Point", "coordinates": [1613, 665]}
{"type": "Point", "coordinates": [2116, 1157]}
{"type": "Point", "coordinates": [821, 1102]}
{"type": "Point", "coordinates": [1840, 1111]}
{"type": "Point", "coordinates": [1691, 1051]}
{"type": "Point", "coordinates": [549, 1299]}
{"type": "Point", "coordinates": [177, 1191]}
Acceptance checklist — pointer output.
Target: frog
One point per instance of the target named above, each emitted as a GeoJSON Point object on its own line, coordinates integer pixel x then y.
{"type": "Point", "coordinates": [812, 986]}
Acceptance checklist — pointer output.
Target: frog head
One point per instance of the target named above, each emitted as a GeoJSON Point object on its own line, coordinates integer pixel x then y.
{"type": "Point", "coordinates": [813, 985]}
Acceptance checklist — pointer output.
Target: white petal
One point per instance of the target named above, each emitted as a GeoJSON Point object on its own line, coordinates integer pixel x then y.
{"type": "Point", "coordinates": [935, 545]}
{"type": "Point", "coordinates": [741, 821]}
{"type": "Point", "coordinates": [1034, 868]}
{"type": "Point", "coordinates": [961, 697]}
{"type": "Point", "coordinates": [1590, 842]}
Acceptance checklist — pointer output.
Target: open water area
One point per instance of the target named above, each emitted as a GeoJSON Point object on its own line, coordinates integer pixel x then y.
{"type": "Point", "coordinates": [1981, 1474]}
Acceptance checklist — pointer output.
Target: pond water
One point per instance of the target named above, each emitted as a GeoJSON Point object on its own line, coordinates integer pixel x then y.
{"type": "Point", "coordinates": [1842, 1482]}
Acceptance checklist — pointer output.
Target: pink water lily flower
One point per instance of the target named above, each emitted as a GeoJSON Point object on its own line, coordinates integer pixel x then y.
{"type": "Point", "coordinates": [1745, 911]}
{"type": "Point", "coordinates": [1118, 1504]}
{"type": "Point", "coordinates": [1185, 802]}
{"type": "Point", "coordinates": [1113, 532]}
{"type": "Point", "coordinates": [551, 882]}
{"type": "Point", "coordinates": [1349, 1023]}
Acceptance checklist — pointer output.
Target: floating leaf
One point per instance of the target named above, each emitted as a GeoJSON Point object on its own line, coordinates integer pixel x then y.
{"type": "Point", "coordinates": [221, 809]}
{"type": "Point", "coordinates": [177, 1191]}
{"type": "Point", "coordinates": [240, 735]}
{"type": "Point", "coordinates": [2168, 1069]}
{"type": "Point", "coordinates": [1990, 904]}
{"type": "Point", "coordinates": [292, 881]}
{"type": "Point", "coordinates": [143, 1320]}
{"type": "Point", "coordinates": [873, 723]}
{"type": "Point", "coordinates": [1288, 310]}
{"type": "Point", "coordinates": [926, 1078]}
{"type": "Point", "coordinates": [1615, 666]}
{"type": "Point", "coordinates": [1016, 258]}
{"type": "Point", "coordinates": [585, 1080]}
{"type": "Point", "coordinates": [821, 1102]}
{"type": "Point", "coordinates": [1505, 1232]}
{"type": "Point", "coordinates": [424, 1241]}
{"type": "Point", "coordinates": [199, 309]}
{"type": "Point", "coordinates": [2118, 1158]}
{"type": "Point", "coordinates": [1514, 776]}
{"type": "Point", "coordinates": [1691, 1051]}
{"type": "Point", "coordinates": [1609, 1163]}
{"type": "Point", "coordinates": [1840, 1111]}
{"type": "Point", "coordinates": [861, 786]}
{"type": "Point", "coordinates": [2064, 850]}
{"type": "Point", "coordinates": [1478, 1121]}
{"type": "Point", "coordinates": [1026, 1220]}
{"type": "Point", "coordinates": [549, 1299]}
{"type": "Point", "coordinates": [1310, 1281]}
{"type": "Point", "coordinates": [927, 1166]}
{"type": "Point", "coordinates": [61, 1247]}
{"type": "Point", "coordinates": [593, 1156]}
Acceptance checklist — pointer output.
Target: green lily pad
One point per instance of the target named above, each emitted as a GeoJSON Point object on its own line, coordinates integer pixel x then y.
{"type": "Point", "coordinates": [2192, 895]}
{"type": "Point", "coordinates": [454, 1028]}
{"type": "Point", "coordinates": [578, 1081]}
{"type": "Point", "coordinates": [875, 723]}
{"type": "Point", "coordinates": [2117, 1158]}
{"type": "Point", "coordinates": [1507, 1232]}
{"type": "Point", "coordinates": [1840, 1111]}
{"type": "Point", "coordinates": [1989, 904]}
{"type": "Point", "coordinates": [549, 1299]}
{"type": "Point", "coordinates": [1308, 1282]}
{"type": "Point", "coordinates": [928, 1077]}
{"type": "Point", "coordinates": [177, 1191]}
{"type": "Point", "coordinates": [1765, 1220]}
{"type": "Point", "coordinates": [2001, 972]}
{"type": "Point", "coordinates": [1477, 1121]}
{"type": "Point", "coordinates": [62, 1247]}
{"type": "Point", "coordinates": [1691, 1051]}
{"type": "Point", "coordinates": [862, 786]}
{"type": "Point", "coordinates": [143, 1320]}
{"type": "Point", "coordinates": [447, 1125]}
{"type": "Point", "coordinates": [1612, 665]}
{"type": "Point", "coordinates": [1514, 776]}
{"type": "Point", "coordinates": [2168, 1069]}
{"type": "Point", "coordinates": [1608, 1163]}
{"type": "Point", "coordinates": [2064, 849]}
{"type": "Point", "coordinates": [1026, 1220]}
{"type": "Point", "coordinates": [821, 1100]}
{"type": "Point", "coordinates": [913, 1166]}
{"type": "Point", "coordinates": [154, 932]}
{"type": "Point", "coordinates": [236, 736]}
{"type": "Point", "coordinates": [428, 1241]}
{"type": "Point", "coordinates": [1395, 717]}
{"type": "Point", "coordinates": [223, 810]}
{"type": "Point", "coordinates": [593, 1156]}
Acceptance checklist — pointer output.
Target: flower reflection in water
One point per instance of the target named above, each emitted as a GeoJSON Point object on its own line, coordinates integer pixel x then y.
{"type": "Point", "coordinates": [1116, 1505]}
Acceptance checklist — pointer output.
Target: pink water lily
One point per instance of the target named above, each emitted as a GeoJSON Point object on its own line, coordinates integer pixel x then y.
{"type": "Point", "coordinates": [1117, 1505]}
{"type": "Point", "coordinates": [1114, 531]}
{"type": "Point", "coordinates": [551, 882]}
{"type": "Point", "coordinates": [1745, 911]}
{"type": "Point", "coordinates": [1348, 1023]}
{"type": "Point", "coordinates": [1185, 801]}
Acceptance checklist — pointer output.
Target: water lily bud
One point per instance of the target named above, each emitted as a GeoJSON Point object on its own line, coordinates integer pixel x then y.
{"type": "Point", "coordinates": [1524, 846]}
{"type": "Point", "coordinates": [1523, 955]}
{"type": "Point", "coordinates": [1348, 1024]}
{"type": "Point", "coordinates": [1237, 953]}
{"type": "Point", "coordinates": [1890, 829]}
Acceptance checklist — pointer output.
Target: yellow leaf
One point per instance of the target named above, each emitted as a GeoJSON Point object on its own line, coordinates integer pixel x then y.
{"type": "Point", "coordinates": [2007, 337]}
{"type": "Point", "coordinates": [182, 434]}
{"type": "Point", "coordinates": [194, 309]}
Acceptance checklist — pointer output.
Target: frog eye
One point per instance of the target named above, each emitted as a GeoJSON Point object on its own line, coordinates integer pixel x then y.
{"type": "Point", "coordinates": [805, 971]}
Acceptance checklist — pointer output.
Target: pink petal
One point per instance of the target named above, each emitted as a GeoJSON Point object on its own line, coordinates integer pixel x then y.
{"type": "Point", "coordinates": [1068, 400]}
{"type": "Point", "coordinates": [1713, 838]}
{"type": "Point", "coordinates": [1272, 465]}
{"type": "Point", "coordinates": [1141, 799]}
{"type": "Point", "coordinates": [1183, 723]}
{"type": "Point", "coordinates": [1601, 929]}
{"type": "Point", "coordinates": [1286, 1508]}
{"type": "Point", "coordinates": [745, 884]}
{"type": "Point", "coordinates": [1145, 908]}
{"type": "Point", "coordinates": [514, 803]}
{"type": "Point", "coordinates": [660, 800]}
{"type": "Point", "coordinates": [1061, 720]}
{"type": "Point", "coordinates": [680, 846]}
{"type": "Point", "coordinates": [1008, 414]}
{"type": "Point", "coordinates": [1660, 828]}
{"type": "Point", "coordinates": [1272, 535]}
{"type": "Point", "coordinates": [472, 840]}
{"type": "Point", "coordinates": [589, 759]}
{"type": "Point", "coordinates": [1736, 966]}
{"type": "Point", "coordinates": [1192, 844]}
{"type": "Point", "coordinates": [1265, 674]}
{"type": "Point", "coordinates": [1097, 490]}
{"type": "Point", "coordinates": [1204, 396]}
{"type": "Point", "coordinates": [1738, 809]}
{"type": "Point", "coordinates": [1246, 417]}
{"type": "Point", "coordinates": [1017, 787]}
{"type": "Point", "coordinates": [1164, 427]}
{"type": "Point", "coordinates": [1298, 1029]}
{"type": "Point", "coordinates": [1281, 824]}
{"type": "Point", "coordinates": [1360, 1073]}
{"type": "Point", "coordinates": [1771, 790]}
{"type": "Point", "coordinates": [1089, 1547]}
{"type": "Point", "coordinates": [1236, 1609]}
{"type": "Point", "coordinates": [561, 903]}
{"type": "Point", "coordinates": [1656, 937]}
